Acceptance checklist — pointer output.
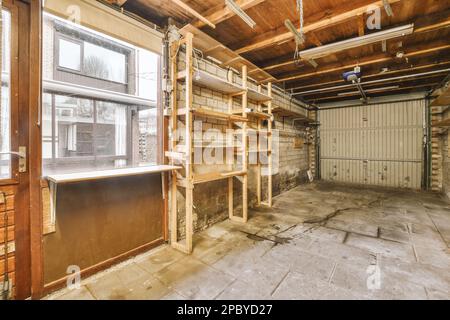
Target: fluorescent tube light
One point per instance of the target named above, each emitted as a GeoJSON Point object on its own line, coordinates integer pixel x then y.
{"type": "Point", "coordinates": [239, 12]}
{"type": "Point", "coordinates": [325, 50]}
{"type": "Point", "coordinates": [313, 63]}
{"type": "Point", "coordinates": [297, 35]}
{"type": "Point", "coordinates": [388, 8]}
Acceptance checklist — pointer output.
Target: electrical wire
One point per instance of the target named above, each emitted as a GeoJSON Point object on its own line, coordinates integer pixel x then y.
{"type": "Point", "coordinates": [297, 58]}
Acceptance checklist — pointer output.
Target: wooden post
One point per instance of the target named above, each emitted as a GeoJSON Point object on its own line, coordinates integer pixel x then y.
{"type": "Point", "coordinates": [188, 140]}
{"type": "Point", "coordinates": [258, 178]}
{"type": "Point", "coordinates": [173, 128]}
{"type": "Point", "coordinates": [244, 145]}
{"type": "Point", "coordinates": [229, 143]}
{"type": "Point", "coordinates": [270, 140]}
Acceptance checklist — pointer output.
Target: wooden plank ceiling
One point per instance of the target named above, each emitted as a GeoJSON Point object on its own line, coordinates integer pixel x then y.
{"type": "Point", "coordinates": [270, 46]}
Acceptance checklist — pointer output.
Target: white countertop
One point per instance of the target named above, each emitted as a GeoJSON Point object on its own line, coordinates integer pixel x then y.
{"type": "Point", "coordinates": [108, 174]}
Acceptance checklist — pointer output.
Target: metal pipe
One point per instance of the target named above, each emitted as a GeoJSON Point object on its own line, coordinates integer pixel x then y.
{"type": "Point", "coordinates": [361, 90]}
{"type": "Point", "coordinates": [372, 82]}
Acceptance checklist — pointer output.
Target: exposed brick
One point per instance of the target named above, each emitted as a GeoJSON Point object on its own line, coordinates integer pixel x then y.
{"type": "Point", "coordinates": [210, 199]}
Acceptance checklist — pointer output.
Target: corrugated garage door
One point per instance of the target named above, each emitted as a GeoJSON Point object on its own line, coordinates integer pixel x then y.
{"type": "Point", "coordinates": [374, 145]}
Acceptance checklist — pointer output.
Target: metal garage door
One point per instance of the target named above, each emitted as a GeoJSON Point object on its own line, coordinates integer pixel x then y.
{"type": "Point", "coordinates": [374, 145]}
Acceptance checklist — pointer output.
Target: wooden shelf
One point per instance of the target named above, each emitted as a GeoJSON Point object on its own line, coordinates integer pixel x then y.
{"type": "Point", "coordinates": [212, 82]}
{"type": "Point", "coordinates": [258, 96]}
{"type": "Point", "coordinates": [213, 48]}
{"type": "Point", "coordinates": [205, 112]}
{"type": "Point", "coordinates": [108, 174]}
{"type": "Point", "coordinates": [215, 176]}
{"type": "Point", "coordinates": [192, 37]}
{"type": "Point", "coordinates": [254, 151]}
{"type": "Point", "coordinates": [292, 113]}
{"type": "Point", "coordinates": [259, 115]}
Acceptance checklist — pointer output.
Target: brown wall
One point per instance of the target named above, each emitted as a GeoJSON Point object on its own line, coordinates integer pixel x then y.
{"type": "Point", "coordinates": [440, 152]}
{"type": "Point", "coordinates": [97, 221]}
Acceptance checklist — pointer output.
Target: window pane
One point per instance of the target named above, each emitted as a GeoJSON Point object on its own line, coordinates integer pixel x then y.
{"type": "Point", "coordinates": [104, 63]}
{"type": "Point", "coordinates": [147, 74]}
{"type": "Point", "coordinates": [5, 107]}
{"type": "Point", "coordinates": [111, 129]}
{"type": "Point", "coordinates": [47, 130]}
{"type": "Point", "coordinates": [148, 136]}
{"type": "Point", "coordinates": [69, 55]}
{"type": "Point", "coordinates": [88, 130]}
{"type": "Point", "coordinates": [74, 127]}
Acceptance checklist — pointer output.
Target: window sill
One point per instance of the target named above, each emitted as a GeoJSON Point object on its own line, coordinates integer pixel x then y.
{"type": "Point", "coordinates": [108, 174]}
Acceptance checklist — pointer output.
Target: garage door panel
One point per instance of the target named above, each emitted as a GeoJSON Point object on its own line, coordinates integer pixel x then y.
{"type": "Point", "coordinates": [374, 145]}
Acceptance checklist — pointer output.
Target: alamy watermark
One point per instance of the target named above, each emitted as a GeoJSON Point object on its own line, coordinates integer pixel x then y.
{"type": "Point", "coordinates": [226, 147]}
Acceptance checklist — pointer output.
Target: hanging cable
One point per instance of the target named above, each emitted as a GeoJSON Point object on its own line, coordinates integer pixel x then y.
{"type": "Point", "coordinates": [197, 54]}
{"type": "Point", "coordinates": [300, 9]}
{"type": "Point", "coordinates": [297, 58]}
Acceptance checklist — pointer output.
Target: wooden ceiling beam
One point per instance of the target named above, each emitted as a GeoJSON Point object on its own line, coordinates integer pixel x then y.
{"type": "Point", "coordinates": [436, 77]}
{"type": "Point", "coordinates": [194, 13]}
{"type": "Point", "coordinates": [361, 25]}
{"type": "Point", "coordinates": [419, 50]}
{"type": "Point", "coordinates": [119, 3]}
{"type": "Point", "coordinates": [420, 28]}
{"type": "Point", "coordinates": [406, 71]}
{"type": "Point", "coordinates": [339, 15]}
{"type": "Point", "coordinates": [336, 98]}
{"type": "Point", "coordinates": [313, 38]}
{"type": "Point", "coordinates": [221, 12]}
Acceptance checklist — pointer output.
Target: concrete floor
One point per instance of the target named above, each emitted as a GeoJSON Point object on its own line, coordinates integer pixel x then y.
{"type": "Point", "coordinates": [320, 241]}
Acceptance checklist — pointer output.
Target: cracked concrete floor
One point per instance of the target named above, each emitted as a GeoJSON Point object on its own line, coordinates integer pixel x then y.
{"type": "Point", "coordinates": [320, 241]}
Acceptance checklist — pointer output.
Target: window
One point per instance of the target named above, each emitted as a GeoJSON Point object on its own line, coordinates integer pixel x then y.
{"type": "Point", "coordinates": [103, 63]}
{"type": "Point", "coordinates": [95, 57]}
{"type": "Point", "coordinates": [69, 55]}
{"type": "Point", "coordinates": [90, 133]}
{"type": "Point", "coordinates": [99, 102]}
{"type": "Point", "coordinates": [5, 107]}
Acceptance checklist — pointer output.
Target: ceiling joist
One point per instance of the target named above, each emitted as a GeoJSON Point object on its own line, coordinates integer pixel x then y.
{"type": "Point", "coordinates": [419, 50]}
{"type": "Point", "coordinates": [422, 28]}
{"type": "Point", "coordinates": [342, 14]}
{"type": "Point", "coordinates": [366, 76]}
{"type": "Point", "coordinates": [221, 12]}
{"type": "Point", "coordinates": [191, 11]}
{"type": "Point", "coordinates": [119, 3]}
{"type": "Point", "coordinates": [382, 92]}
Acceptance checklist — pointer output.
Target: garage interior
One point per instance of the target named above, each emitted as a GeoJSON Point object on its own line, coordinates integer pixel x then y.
{"type": "Point", "coordinates": [225, 150]}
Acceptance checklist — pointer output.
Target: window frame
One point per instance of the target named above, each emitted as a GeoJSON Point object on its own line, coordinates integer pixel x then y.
{"type": "Point", "coordinates": [83, 159]}
{"type": "Point", "coordinates": [13, 97]}
{"type": "Point", "coordinates": [80, 37]}
{"type": "Point", "coordinates": [58, 52]}
{"type": "Point", "coordinates": [63, 30]}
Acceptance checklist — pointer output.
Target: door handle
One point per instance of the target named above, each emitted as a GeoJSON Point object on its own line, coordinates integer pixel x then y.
{"type": "Point", "coordinates": [14, 153]}
{"type": "Point", "coordinates": [22, 154]}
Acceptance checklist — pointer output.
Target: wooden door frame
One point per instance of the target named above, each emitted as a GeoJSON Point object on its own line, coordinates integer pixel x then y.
{"type": "Point", "coordinates": [25, 131]}
{"type": "Point", "coordinates": [35, 148]}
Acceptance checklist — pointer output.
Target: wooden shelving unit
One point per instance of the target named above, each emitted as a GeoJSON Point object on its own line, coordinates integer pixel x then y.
{"type": "Point", "coordinates": [260, 116]}
{"type": "Point", "coordinates": [183, 155]}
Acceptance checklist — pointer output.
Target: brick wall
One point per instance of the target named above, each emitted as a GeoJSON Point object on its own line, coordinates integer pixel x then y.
{"type": "Point", "coordinates": [7, 208]}
{"type": "Point", "coordinates": [440, 153]}
{"type": "Point", "coordinates": [210, 199]}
